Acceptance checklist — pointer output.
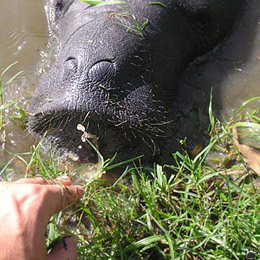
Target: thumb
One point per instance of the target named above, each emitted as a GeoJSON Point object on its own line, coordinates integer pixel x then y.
{"type": "Point", "coordinates": [65, 249]}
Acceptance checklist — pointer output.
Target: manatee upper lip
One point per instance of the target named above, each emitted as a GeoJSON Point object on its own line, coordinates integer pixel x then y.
{"type": "Point", "coordinates": [47, 120]}
{"type": "Point", "coordinates": [64, 137]}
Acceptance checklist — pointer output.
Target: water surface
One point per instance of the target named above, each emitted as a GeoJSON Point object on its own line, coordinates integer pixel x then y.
{"type": "Point", "coordinates": [23, 38]}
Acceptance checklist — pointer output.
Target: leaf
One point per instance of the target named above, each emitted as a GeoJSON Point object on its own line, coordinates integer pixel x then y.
{"type": "Point", "coordinates": [249, 154]}
{"type": "Point", "coordinates": [144, 242]}
{"type": "Point", "coordinates": [157, 3]}
{"type": "Point", "coordinates": [103, 2]}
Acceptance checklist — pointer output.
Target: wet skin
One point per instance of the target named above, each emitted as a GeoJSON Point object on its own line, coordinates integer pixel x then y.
{"type": "Point", "coordinates": [117, 73]}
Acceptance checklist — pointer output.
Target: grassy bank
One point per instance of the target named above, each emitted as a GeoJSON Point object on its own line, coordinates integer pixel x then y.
{"type": "Point", "coordinates": [208, 208]}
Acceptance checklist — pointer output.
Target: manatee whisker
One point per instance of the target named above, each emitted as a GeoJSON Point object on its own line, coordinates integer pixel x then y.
{"type": "Point", "coordinates": [121, 123]}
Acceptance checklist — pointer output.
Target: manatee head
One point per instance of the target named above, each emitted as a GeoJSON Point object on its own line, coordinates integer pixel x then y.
{"type": "Point", "coordinates": [117, 72]}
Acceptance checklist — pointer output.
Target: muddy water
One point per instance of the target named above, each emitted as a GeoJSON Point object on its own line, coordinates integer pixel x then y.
{"type": "Point", "coordinates": [232, 70]}
{"type": "Point", "coordinates": [23, 38]}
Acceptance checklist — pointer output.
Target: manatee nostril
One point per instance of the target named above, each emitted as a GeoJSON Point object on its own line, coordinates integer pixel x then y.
{"type": "Point", "coordinates": [101, 71]}
{"type": "Point", "coordinates": [71, 64]}
{"type": "Point", "coordinates": [70, 68]}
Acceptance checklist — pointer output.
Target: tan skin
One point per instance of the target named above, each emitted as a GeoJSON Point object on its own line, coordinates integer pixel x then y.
{"type": "Point", "coordinates": [25, 209]}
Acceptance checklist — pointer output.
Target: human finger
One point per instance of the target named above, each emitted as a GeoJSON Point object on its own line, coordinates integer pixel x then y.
{"type": "Point", "coordinates": [65, 249]}
{"type": "Point", "coordinates": [65, 180]}
{"type": "Point", "coordinates": [59, 197]}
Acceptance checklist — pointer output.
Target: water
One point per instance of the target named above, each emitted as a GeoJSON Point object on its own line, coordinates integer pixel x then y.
{"type": "Point", "coordinates": [23, 38]}
{"type": "Point", "coordinates": [233, 70]}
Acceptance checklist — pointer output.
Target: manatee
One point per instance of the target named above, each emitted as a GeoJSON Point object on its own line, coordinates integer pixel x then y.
{"type": "Point", "coordinates": [117, 71]}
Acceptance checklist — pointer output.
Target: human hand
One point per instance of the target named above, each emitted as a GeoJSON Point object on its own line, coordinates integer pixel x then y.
{"type": "Point", "coordinates": [25, 210]}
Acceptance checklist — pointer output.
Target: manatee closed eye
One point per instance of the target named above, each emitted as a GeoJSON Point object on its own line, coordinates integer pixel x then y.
{"type": "Point", "coordinates": [117, 73]}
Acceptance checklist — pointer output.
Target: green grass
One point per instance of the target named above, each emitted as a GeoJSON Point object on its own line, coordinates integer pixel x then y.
{"type": "Point", "coordinates": [208, 207]}
{"type": "Point", "coordinates": [3, 105]}
{"type": "Point", "coordinates": [102, 2]}
{"type": "Point", "coordinates": [2, 88]}
{"type": "Point", "coordinates": [137, 27]}
{"type": "Point", "coordinates": [201, 211]}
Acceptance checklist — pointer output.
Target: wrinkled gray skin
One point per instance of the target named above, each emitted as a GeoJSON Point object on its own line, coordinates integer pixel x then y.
{"type": "Point", "coordinates": [118, 81]}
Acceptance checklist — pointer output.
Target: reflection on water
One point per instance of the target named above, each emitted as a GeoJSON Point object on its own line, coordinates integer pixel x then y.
{"type": "Point", "coordinates": [232, 70]}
